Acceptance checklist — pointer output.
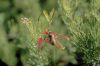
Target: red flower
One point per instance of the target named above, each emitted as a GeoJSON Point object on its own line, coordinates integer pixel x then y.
{"type": "Point", "coordinates": [45, 32]}
{"type": "Point", "coordinates": [39, 41]}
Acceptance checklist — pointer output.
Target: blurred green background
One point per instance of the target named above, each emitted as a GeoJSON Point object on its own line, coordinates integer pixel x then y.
{"type": "Point", "coordinates": [13, 49]}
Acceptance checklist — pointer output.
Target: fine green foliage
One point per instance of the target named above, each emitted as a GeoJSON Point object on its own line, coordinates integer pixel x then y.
{"type": "Point", "coordinates": [82, 19]}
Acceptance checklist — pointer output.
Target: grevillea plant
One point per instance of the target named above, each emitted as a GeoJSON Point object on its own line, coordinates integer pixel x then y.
{"type": "Point", "coordinates": [36, 56]}
{"type": "Point", "coordinates": [82, 19]}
